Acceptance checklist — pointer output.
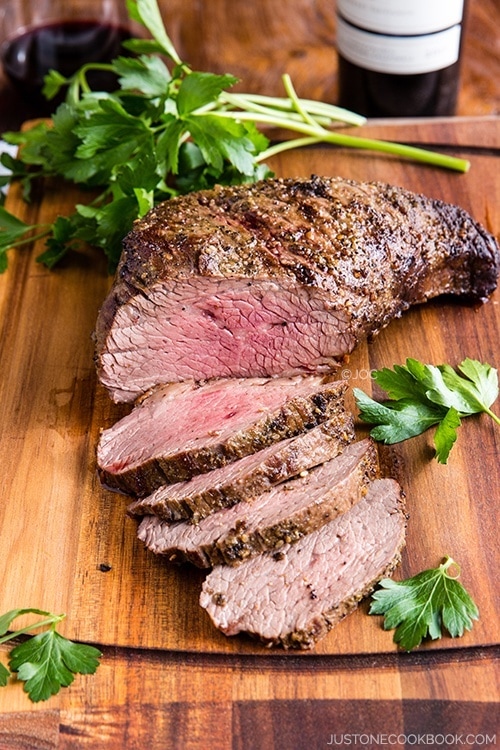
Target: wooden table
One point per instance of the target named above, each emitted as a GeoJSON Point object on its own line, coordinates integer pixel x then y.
{"type": "Point", "coordinates": [181, 685]}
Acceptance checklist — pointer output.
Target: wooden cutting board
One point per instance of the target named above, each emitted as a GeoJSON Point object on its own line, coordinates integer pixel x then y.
{"type": "Point", "coordinates": [67, 545]}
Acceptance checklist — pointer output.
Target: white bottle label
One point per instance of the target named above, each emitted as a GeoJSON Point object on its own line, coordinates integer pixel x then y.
{"type": "Point", "coordinates": [402, 16]}
{"type": "Point", "coordinates": [398, 54]}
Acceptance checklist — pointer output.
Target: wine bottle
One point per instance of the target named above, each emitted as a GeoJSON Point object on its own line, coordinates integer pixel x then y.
{"type": "Point", "coordinates": [399, 58]}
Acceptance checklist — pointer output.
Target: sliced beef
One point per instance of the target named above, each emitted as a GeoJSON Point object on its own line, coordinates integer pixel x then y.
{"type": "Point", "coordinates": [280, 277]}
{"type": "Point", "coordinates": [281, 516]}
{"type": "Point", "coordinates": [248, 477]}
{"type": "Point", "coordinates": [294, 598]}
{"type": "Point", "coordinates": [186, 428]}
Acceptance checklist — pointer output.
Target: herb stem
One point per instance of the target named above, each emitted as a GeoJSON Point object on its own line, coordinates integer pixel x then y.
{"type": "Point", "coordinates": [25, 240]}
{"type": "Point", "coordinates": [293, 143]}
{"type": "Point", "coordinates": [304, 110]}
{"type": "Point", "coordinates": [238, 103]}
{"type": "Point", "coordinates": [329, 111]}
{"type": "Point", "coordinates": [400, 149]}
{"type": "Point", "coordinates": [52, 620]}
{"type": "Point", "coordinates": [447, 563]}
{"type": "Point", "coordinates": [494, 417]}
{"type": "Point", "coordinates": [350, 141]}
{"type": "Point", "coordinates": [287, 83]}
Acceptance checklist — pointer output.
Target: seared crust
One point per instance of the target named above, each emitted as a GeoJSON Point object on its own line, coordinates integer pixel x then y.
{"type": "Point", "coordinates": [296, 415]}
{"type": "Point", "coordinates": [359, 254]}
{"type": "Point", "coordinates": [240, 545]}
{"type": "Point", "coordinates": [276, 518]}
{"type": "Point", "coordinates": [333, 233]}
{"type": "Point", "coordinates": [222, 488]}
{"type": "Point", "coordinates": [295, 600]}
{"type": "Point", "coordinates": [327, 232]}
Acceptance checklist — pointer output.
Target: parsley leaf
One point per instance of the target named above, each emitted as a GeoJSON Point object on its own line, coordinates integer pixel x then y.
{"type": "Point", "coordinates": [4, 675]}
{"type": "Point", "coordinates": [148, 13]}
{"type": "Point", "coordinates": [107, 223]}
{"type": "Point", "coordinates": [421, 396]}
{"type": "Point", "coordinates": [223, 138]}
{"type": "Point", "coordinates": [184, 127]}
{"type": "Point", "coordinates": [53, 82]}
{"type": "Point", "coordinates": [199, 89]}
{"type": "Point", "coordinates": [396, 421]}
{"type": "Point", "coordinates": [446, 434]}
{"type": "Point", "coordinates": [479, 387]}
{"type": "Point", "coordinates": [47, 661]}
{"type": "Point", "coordinates": [423, 605]}
{"type": "Point", "coordinates": [13, 232]}
{"type": "Point", "coordinates": [146, 74]}
{"type": "Point", "coordinates": [58, 244]}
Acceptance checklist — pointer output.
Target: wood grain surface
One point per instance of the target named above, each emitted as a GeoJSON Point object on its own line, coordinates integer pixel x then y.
{"type": "Point", "coordinates": [59, 528]}
{"type": "Point", "coordinates": [162, 699]}
{"type": "Point", "coordinates": [67, 544]}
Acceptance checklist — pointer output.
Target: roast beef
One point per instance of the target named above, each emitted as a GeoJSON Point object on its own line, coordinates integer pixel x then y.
{"type": "Point", "coordinates": [184, 429]}
{"type": "Point", "coordinates": [280, 516]}
{"type": "Point", "coordinates": [247, 477]}
{"type": "Point", "coordinates": [295, 597]}
{"type": "Point", "coordinates": [280, 277]}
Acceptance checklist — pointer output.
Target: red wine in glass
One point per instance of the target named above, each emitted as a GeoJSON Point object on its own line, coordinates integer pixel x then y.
{"type": "Point", "coordinates": [63, 46]}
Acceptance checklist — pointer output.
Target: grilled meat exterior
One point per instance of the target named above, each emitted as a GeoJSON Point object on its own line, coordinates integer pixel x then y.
{"type": "Point", "coordinates": [295, 597]}
{"type": "Point", "coordinates": [280, 277]}
{"type": "Point", "coordinates": [184, 429]}
{"type": "Point", "coordinates": [248, 477]}
{"type": "Point", "coordinates": [280, 516]}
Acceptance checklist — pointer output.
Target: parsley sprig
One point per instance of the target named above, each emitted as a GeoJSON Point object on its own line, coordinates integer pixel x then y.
{"type": "Point", "coordinates": [421, 396]}
{"type": "Point", "coordinates": [165, 130]}
{"type": "Point", "coordinates": [47, 661]}
{"type": "Point", "coordinates": [423, 605]}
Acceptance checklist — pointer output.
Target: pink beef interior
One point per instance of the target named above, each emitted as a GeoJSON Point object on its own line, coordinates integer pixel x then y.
{"type": "Point", "coordinates": [292, 454]}
{"type": "Point", "coordinates": [186, 328]}
{"type": "Point", "coordinates": [272, 597]}
{"type": "Point", "coordinates": [270, 508]}
{"type": "Point", "coordinates": [182, 416]}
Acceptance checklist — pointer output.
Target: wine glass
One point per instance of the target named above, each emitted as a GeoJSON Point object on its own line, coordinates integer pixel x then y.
{"type": "Point", "coordinates": [61, 35]}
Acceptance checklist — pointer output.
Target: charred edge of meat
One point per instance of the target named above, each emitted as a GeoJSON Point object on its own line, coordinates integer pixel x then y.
{"type": "Point", "coordinates": [239, 544]}
{"type": "Point", "coordinates": [295, 416]}
{"type": "Point", "coordinates": [200, 504]}
{"type": "Point", "coordinates": [362, 252]}
{"type": "Point", "coordinates": [307, 638]}
{"type": "Point", "coordinates": [225, 497]}
{"type": "Point", "coordinates": [483, 260]}
{"type": "Point", "coordinates": [146, 251]}
{"type": "Point", "coordinates": [237, 541]}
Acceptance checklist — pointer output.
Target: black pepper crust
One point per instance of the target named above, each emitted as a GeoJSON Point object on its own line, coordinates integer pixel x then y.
{"type": "Point", "coordinates": [306, 228]}
{"type": "Point", "coordinates": [298, 414]}
{"type": "Point", "coordinates": [372, 248]}
{"type": "Point", "coordinates": [338, 431]}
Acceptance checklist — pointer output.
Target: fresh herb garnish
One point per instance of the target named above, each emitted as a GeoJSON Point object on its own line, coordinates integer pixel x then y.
{"type": "Point", "coordinates": [423, 605]}
{"type": "Point", "coordinates": [421, 396]}
{"type": "Point", "coordinates": [163, 132]}
{"type": "Point", "coordinates": [47, 661]}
